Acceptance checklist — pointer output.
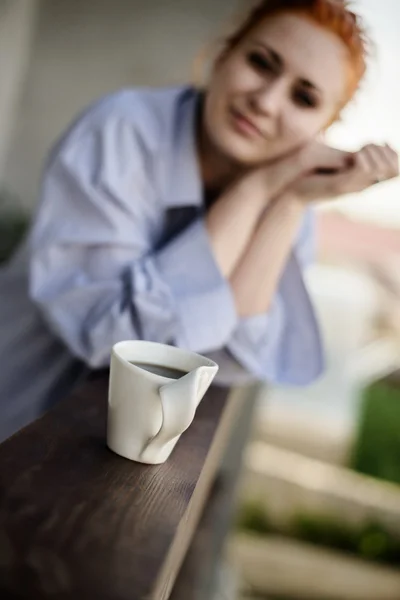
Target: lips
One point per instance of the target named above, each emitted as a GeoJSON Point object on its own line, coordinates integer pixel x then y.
{"type": "Point", "coordinates": [244, 125]}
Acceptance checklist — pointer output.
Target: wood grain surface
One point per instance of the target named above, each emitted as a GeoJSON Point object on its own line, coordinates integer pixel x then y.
{"type": "Point", "coordinates": [77, 521]}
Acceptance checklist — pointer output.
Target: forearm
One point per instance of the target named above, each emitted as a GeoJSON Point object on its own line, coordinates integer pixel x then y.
{"type": "Point", "coordinates": [256, 276]}
{"type": "Point", "coordinates": [232, 220]}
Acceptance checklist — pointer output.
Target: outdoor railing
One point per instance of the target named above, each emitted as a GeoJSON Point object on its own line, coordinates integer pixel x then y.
{"type": "Point", "coordinates": [78, 521]}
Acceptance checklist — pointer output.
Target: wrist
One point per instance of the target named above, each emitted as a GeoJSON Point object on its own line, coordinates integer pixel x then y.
{"type": "Point", "coordinates": [254, 186]}
{"type": "Point", "coordinates": [304, 157]}
{"type": "Point", "coordinates": [291, 203]}
{"type": "Point", "coordinates": [279, 177]}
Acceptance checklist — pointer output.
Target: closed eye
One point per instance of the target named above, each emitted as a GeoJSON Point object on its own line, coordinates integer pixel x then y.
{"type": "Point", "coordinates": [305, 99]}
{"type": "Point", "coordinates": [260, 62]}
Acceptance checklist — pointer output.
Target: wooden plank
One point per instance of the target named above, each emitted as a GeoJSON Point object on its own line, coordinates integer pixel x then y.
{"type": "Point", "coordinates": [78, 521]}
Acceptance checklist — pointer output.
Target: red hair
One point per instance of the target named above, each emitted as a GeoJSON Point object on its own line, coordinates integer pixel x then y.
{"type": "Point", "coordinates": [334, 15]}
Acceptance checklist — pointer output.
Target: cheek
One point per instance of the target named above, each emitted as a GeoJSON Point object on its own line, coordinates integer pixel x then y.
{"type": "Point", "coordinates": [301, 126]}
{"type": "Point", "coordinates": [242, 80]}
{"type": "Point", "coordinates": [234, 78]}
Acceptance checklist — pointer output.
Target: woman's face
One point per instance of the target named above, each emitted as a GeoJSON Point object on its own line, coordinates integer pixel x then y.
{"type": "Point", "coordinates": [276, 90]}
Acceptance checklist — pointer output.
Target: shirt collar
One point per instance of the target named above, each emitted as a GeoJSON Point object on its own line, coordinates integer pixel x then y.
{"type": "Point", "coordinates": [185, 186]}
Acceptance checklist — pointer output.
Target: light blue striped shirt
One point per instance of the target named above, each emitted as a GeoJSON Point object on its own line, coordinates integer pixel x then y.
{"type": "Point", "coordinates": [119, 249]}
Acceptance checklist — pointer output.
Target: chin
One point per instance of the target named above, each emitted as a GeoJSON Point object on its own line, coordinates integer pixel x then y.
{"type": "Point", "coordinates": [246, 151]}
{"type": "Point", "coordinates": [238, 149]}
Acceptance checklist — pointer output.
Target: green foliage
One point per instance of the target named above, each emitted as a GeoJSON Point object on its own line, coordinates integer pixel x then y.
{"type": "Point", "coordinates": [253, 517]}
{"type": "Point", "coordinates": [376, 543]}
{"type": "Point", "coordinates": [324, 531]}
{"type": "Point", "coordinates": [377, 448]}
{"type": "Point", "coordinates": [370, 540]}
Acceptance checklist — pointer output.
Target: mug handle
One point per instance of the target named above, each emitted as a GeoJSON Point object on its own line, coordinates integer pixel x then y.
{"type": "Point", "coordinates": [179, 401]}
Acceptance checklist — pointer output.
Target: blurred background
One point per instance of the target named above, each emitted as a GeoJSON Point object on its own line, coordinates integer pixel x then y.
{"type": "Point", "coordinates": [320, 490]}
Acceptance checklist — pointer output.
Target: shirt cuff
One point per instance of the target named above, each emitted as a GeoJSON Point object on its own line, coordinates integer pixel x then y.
{"type": "Point", "coordinates": [283, 346]}
{"type": "Point", "coordinates": [255, 343]}
{"type": "Point", "coordinates": [203, 299]}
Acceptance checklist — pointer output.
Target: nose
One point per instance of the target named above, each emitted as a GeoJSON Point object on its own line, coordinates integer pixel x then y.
{"type": "Point", "coordinates": [269, 100]}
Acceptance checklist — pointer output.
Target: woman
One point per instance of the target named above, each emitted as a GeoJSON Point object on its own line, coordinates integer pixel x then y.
{"type": "Point", "coordinates": [183, 216]}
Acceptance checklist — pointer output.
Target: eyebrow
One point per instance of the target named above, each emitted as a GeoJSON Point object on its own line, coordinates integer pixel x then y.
{"type": "Point", "coordinates": [279, 63]}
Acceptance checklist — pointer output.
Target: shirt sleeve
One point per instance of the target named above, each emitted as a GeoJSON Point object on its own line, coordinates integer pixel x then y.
{"type": "Point", "coordinates": [94, 273]}
{"type": "Point", "coordinates": [284, 345]}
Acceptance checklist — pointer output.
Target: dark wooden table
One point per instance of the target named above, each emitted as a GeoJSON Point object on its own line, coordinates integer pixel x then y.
{"type": "Point", "coordinates": [77, 521]}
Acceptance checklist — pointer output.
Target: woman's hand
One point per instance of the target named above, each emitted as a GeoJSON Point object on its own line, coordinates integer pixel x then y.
{"type": "Point", "coordinates": [370, 165]}
{"type": "Point", "coordinates": [280, 175]}
{"type": "Point", "coordinates": [319, 157]}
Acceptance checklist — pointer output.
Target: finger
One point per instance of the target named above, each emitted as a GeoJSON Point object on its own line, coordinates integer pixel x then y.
{"type": "Point", "coordinates": [393, 160]}
{"type": "Point", "coordinates": [378, 163]}
{"type": "Point", "coordinates": [364, 167]}
{"type": "Point", "coordinates": [384, 161]}
{"type": "Point", "coordinates": [320, 156]}
{"type": "Point", "coordinates": [330, 186]}
{"type": "Point", "coordinates": [333, 159]}
{"type": "Point", "coordinates": [355, 179]}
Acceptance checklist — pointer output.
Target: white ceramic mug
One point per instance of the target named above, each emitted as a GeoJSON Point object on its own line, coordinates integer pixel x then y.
{"type": "Point", "coordinates": [148, 412]}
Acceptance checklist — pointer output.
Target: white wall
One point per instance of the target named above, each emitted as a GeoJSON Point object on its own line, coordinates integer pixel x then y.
{"type": "Point", "coordinates": [16, 26]}
{"type": "Point", "coordinates": [85, 48]}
